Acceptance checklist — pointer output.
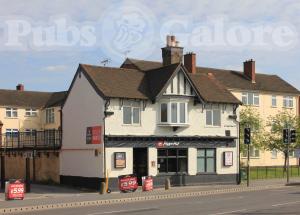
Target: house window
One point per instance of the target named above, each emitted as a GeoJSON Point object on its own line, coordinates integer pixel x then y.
{"type": "Point", "coordinates": [30, 112]}
{"type": "Point", "coordinates": [30, 132]}
{"type": "Point", "coordinates": [254, 153]}
{"type": "Point", "coordinates": [274, 154]}
{"type": "Point", "coordinates": [10, 133]}
{"type": "Point", "coordinates": [292, 153]}
{"type": "Point", "coordinates": [50, 117]}
{"type": "Point", "coordinates": [206, 160]}
{"type": "Point", "coordinates": [131, 115]}
{"type": "Point", "coordinates": [288, 102]}
{"type": "Point", "coordinates": [11, 112]}
{"type": "Point", "coordinates": [213, 117]}
{"type": "Point", "coordinates": [274, 101]}
{"type": "Point", "coordinates": [172, 160]}
{"type": "Point", "coordinates": [173, 112]}
{"type": "Point", "coordinates": [250, 99]}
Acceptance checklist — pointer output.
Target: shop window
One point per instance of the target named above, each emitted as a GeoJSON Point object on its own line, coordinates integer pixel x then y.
{"type": "Point", "coordinates": [213, 117]}
{"type": "Point", "coordinates": [206, 160]}
{"type": "Point", "coordinates": [172, 160]}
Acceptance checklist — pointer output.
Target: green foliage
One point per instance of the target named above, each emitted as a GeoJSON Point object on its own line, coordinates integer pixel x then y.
{"type": "Point", "coordinates": [277, 123]}
{"type": "Point", "coordinates": [249, 117]}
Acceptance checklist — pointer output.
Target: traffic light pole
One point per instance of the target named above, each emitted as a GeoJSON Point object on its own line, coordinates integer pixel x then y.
{"type": "Point", "coordinates": [248, 166]}
{"type": "Point", "coordinates": [288, 164]}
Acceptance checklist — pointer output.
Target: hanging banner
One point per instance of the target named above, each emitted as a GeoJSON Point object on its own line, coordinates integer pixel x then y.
{"type": "Point", "coordinates": [93, 135]}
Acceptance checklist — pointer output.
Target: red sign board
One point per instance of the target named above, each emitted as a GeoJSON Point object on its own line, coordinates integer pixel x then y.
{"type": "Point", "coordinates": [147, 183]}
{"type": "Point", "coordinates": [93, 135]}
{"type": "Point", "coordinates": [128, 183]}
{"type": "Point", "coordinates": [15, 190]}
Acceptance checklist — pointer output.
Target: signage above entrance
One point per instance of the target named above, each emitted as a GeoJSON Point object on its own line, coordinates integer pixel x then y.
{"type": "Point", "coordinates": [163, 144]}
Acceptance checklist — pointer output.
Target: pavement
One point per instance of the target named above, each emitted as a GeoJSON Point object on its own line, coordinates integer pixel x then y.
{"type": "Point", "coordinates": [43, 198]}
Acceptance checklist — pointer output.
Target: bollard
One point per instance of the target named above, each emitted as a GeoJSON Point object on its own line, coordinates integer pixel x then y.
{"type": "Point", "coordinates": [167, 184]}
{"type": "Point", "coordinates": [103, 188]}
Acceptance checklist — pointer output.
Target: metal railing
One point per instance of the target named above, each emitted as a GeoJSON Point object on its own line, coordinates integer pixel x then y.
{"type": "Point", "coordinates": [48, 139]}
{"type": "Point", "coordinates": [269, 172]}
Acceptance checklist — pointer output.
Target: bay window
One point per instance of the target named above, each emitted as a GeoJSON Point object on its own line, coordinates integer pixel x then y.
{"type": "Point", "coordinates": [173, 113]}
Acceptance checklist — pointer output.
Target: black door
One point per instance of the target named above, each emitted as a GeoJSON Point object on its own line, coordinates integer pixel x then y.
{"type": "Point", "coordinates": [140, 163]}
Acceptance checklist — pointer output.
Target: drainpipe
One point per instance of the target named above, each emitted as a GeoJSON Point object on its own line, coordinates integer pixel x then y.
{"type": "Point", "coordinates": [107, 103]}
{"type": "Point", "coordinates": [2, 160]}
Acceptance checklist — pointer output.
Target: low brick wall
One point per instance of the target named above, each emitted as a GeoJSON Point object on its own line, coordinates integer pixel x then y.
{"type": "Point", "coordinates": [46, 167]}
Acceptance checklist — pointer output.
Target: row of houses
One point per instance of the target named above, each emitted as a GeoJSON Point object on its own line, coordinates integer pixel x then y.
{"type": "Point", "coordinates": [168, 119]}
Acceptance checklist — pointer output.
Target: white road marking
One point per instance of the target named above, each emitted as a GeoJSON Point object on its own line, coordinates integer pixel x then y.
{"type": "Point", "coordinates": [123, 211]}
{"type": "Point", "coordinates": [287, 203]}
{"type": "Point", "coordinates": [229, 212]}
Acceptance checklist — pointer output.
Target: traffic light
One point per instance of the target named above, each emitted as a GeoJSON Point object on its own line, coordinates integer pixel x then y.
{"type": "Point", "coordinates": [293, 136]}
{"type": "Point", "coordinates": [286, 135]}
{"type": "Point", "coordinates": [247, 136]}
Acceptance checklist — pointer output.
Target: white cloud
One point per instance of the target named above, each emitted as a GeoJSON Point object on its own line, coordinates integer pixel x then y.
{"type": "Point", "coordinates": [55, 68]}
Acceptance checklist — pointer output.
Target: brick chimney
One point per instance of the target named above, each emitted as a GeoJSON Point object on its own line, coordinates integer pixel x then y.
{"type": "Point", "coordinates": [190, 62]}
{"type": "Point", "coordinates": [172, 53]}
{"type": "Point", "coordinates": [249, 70]}
{"type": "Point", "coordinates": [20, 87]}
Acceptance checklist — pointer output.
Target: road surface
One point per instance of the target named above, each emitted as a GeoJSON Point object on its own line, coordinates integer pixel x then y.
{"type": "Point", "coordinates": [277, 201]}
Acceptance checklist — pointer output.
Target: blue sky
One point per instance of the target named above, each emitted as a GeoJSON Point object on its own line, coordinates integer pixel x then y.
{"type": "Point", "coordinates": [52, 69]}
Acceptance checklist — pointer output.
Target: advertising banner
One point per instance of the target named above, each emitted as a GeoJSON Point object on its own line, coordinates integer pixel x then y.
{"type": "Point", "coordinates": [15, 190]}
{"type": "Point", "coordinates": [147, 183]}
{"type": "Point", "coordinates": [128, 183]}
{"type": "Point", "coordinates": [93, 135]}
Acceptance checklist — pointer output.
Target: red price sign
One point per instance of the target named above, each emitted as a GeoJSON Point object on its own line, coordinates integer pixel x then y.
{"type": "Point", "coordinates": [128, 183]}
{"type": "Point", "coordinates": [15, 190]}
{"type": "Point", "coordinates": [147, 183]}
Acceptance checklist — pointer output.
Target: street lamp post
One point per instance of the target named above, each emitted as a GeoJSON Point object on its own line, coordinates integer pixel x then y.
{"type": "Point", "coordinates": [2, 160]}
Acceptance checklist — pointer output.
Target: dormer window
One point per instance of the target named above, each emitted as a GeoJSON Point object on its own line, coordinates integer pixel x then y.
{"type": "Point", "coordinates": [173, 113]}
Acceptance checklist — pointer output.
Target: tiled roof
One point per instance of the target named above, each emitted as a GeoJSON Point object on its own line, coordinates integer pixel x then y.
{"type": "Point", "coordinates": [30, 99]}
{"type": "Point", "coordinates": [233, 79]}
{"type": "Point", "coordinates": [137, 84]}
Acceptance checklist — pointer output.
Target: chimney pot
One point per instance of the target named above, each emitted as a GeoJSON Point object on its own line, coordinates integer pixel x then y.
{"type": "Point", "coordinates": [20, 87]}
{"type": "Point", "coordinates": [190, 62]}
{"type": "Point", "coordinates": [249, 70]}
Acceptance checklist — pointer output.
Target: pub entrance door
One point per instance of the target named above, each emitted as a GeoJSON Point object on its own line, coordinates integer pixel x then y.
{"type": "Point", "coordinates": [140, 163]}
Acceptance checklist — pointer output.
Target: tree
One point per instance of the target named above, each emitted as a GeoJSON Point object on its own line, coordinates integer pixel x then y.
{"type": "Point", "coordinates": [249, 117]}
{"type": "Point", "coordinates": [274, 138]}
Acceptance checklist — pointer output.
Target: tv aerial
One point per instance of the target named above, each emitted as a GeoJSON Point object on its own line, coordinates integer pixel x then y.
{"type": "Point", "coordinates": [105, 61]}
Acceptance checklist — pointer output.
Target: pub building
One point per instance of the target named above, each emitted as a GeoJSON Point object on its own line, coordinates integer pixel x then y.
{"type": "Point", "coordinates": [166, 119]}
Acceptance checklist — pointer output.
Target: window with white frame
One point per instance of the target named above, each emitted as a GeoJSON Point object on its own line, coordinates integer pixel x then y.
{"type": "Point", "coordinates": [213, 117]}
{"type": "Point", "coordinates": [274, 101]}
{"type": "Point", "coordinates": [250, 99]}
{"type": "Point", "coordinates": [274, 154]}
{"type": "Point", "coordinates": [288, 102]}
{"type": "Point", "coordinates": [30, 112]}
{"type": "Point", "coordinates": [10, 132]}
{"type": "Point", "coordinates": [50, 115]}
{"type": "Point", "coordinates": [131, 113]}
{"type": "Point", "coordinates": [254, 152]}
{"type": "Point", "coordinates": [11, 112]}
{"type": "Point", "coordinates": [173, 112]}
{"type": "Point", "coordinates": [30, 132]}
